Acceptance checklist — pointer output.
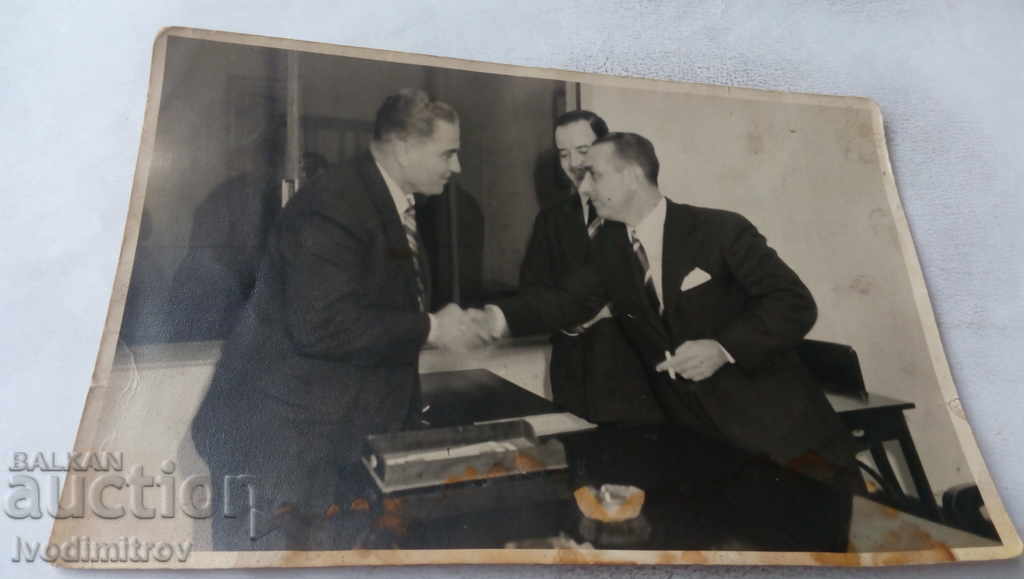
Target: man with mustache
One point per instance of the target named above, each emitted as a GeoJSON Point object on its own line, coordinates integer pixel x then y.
{"type": "Point", "coordinates": [594, 372]}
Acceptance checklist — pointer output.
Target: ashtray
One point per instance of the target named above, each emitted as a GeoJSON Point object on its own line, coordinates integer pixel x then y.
{"type": "Point", "coordinates": [610, 503]}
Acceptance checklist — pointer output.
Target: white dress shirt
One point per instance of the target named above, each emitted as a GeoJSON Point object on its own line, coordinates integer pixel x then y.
{"type": "Point", "coordinates": [403, 201]}
{"type": "Point", "coordinates": [651, 233]}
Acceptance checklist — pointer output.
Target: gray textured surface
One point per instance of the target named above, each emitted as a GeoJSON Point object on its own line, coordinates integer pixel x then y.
{"type": "Point", "coordinates": [947, 75]}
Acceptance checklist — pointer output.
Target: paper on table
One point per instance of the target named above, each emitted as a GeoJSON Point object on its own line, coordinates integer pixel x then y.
{"type": "Point", "coordinates": [553, 423]}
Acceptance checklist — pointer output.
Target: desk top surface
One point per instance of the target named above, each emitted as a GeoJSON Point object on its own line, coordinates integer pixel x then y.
{"type": "Point", "coordinates": [843, 404]}
{"type": "Point", "coordinates": [468, 396]}
{"type": "Point", "coordinates": [701, 494]}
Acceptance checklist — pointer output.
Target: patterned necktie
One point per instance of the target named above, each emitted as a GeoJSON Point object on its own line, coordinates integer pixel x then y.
{"type": "Point", "coordinates": [645, 265]}
{"type": "Point", "coordinates": [594, 222]}
{"type": "Point", "coordinates": [409, 224]}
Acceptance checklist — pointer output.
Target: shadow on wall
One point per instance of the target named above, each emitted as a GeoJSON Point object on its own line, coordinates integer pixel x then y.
{"type": "Point", "coordinates": [229, 234]}
{"type": "Point", "coordinates": [549, 181]}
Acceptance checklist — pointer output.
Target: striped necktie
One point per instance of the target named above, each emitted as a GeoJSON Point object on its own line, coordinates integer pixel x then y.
{"type": "Point", "coordinates": [645, 265]}
{"type": "Point", "coordinates": [411, 236]}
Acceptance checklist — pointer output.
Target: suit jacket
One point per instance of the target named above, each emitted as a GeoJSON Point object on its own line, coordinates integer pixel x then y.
{"type": "Point", "coordinates": [597, 374]}
{"type": "Point", "coordinates": [754, 305]}
{"type": "Point", "coordinates": [327, 347]}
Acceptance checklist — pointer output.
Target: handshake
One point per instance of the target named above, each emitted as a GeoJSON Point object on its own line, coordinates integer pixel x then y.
{"type": "Point", "coordinates": [461, 330]}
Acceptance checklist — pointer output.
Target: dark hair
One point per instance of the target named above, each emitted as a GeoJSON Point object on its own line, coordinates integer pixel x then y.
{"type": "Point", "coordinates": [636, 150]}
{"type": "Point", "coordinates": [410, 113]}
{"type": "Point", "coordinates": [597, 124]}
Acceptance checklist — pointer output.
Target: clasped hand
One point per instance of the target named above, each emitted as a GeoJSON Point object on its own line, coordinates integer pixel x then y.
{"type": "Point", "coordinates": [462, 330]}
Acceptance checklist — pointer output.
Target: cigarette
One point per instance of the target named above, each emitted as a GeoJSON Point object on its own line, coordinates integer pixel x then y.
{"type": "Point", "coordinates": [671, 371]}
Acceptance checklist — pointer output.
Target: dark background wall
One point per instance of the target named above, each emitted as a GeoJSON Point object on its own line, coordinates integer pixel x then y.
{"type": "Point", "coordinates": [215, 183]}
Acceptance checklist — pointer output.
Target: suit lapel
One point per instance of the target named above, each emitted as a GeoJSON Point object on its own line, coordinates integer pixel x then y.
{"type": "Point", "coordinates": [680, 247]}
{"type": "Point", "coordinates": [394, 231]}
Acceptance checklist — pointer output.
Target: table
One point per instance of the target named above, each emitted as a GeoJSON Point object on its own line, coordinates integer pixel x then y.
{"type": "Point", "coordinates": [701, 494]}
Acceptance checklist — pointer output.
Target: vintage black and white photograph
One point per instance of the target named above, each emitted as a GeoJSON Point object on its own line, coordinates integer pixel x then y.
{"type": "Point", "coordinates": [384, 308]}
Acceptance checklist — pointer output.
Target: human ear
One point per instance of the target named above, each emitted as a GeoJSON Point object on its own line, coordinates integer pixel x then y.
{"type": "Point", "coordinates": [402, 151]}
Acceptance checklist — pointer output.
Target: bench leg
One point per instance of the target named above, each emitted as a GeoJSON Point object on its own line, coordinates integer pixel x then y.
{"type": "Point", "coordinates": [924, 490]}
{"type": "Point", "coordinates": [892, 484]}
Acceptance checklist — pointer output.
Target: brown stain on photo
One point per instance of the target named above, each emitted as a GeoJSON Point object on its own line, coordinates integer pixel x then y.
{"type": "Point", "coordinates": [836, 559]}
{"type": "Point", "coordinates": [497, 469]}
{"type": "Point", "coordinates": [392, 505]}
{"type": "Point", "coordinates": [332, 511]}
{"type": "Point", "coordinates": [681, 558]}
{"type": "Point", "coordinates": [888, 512]}
{"type": "Point", "coordinates": [391, 519]}
{"type": "Point", "coordinates": [527, 463]}
{"type": "Point", "coordinates": [392, 522]}
{"type": "Point", "coordinates": [569, 557]}
{"type": "Point", "coordinates": [909, 536]}
{"type": "Point", "coordinates": [469, 474]}
{"type": "Point", "coordinates": [862, 285]}
{"type": "Point", "coordinates": [524, 463]}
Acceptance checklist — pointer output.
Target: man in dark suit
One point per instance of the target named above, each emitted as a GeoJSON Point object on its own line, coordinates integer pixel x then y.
{"type": "Point", "coordinates": [712, 310]}
{"type": "Point", "coordinates": [327, 347]}
{"type": "Point", "coordinates": [594, 371]}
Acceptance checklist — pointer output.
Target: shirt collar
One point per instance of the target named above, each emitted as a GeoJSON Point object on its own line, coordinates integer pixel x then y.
{"type": "Point", "coordinates": [583, 198]}
{"type": "Point", "coordinates": [403, 201]}
{"type": "Point", "coordinates": [653, 225]}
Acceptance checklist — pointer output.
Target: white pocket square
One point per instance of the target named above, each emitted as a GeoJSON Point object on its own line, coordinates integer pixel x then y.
{"type": "Point", "coordinates": [693, 279]}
